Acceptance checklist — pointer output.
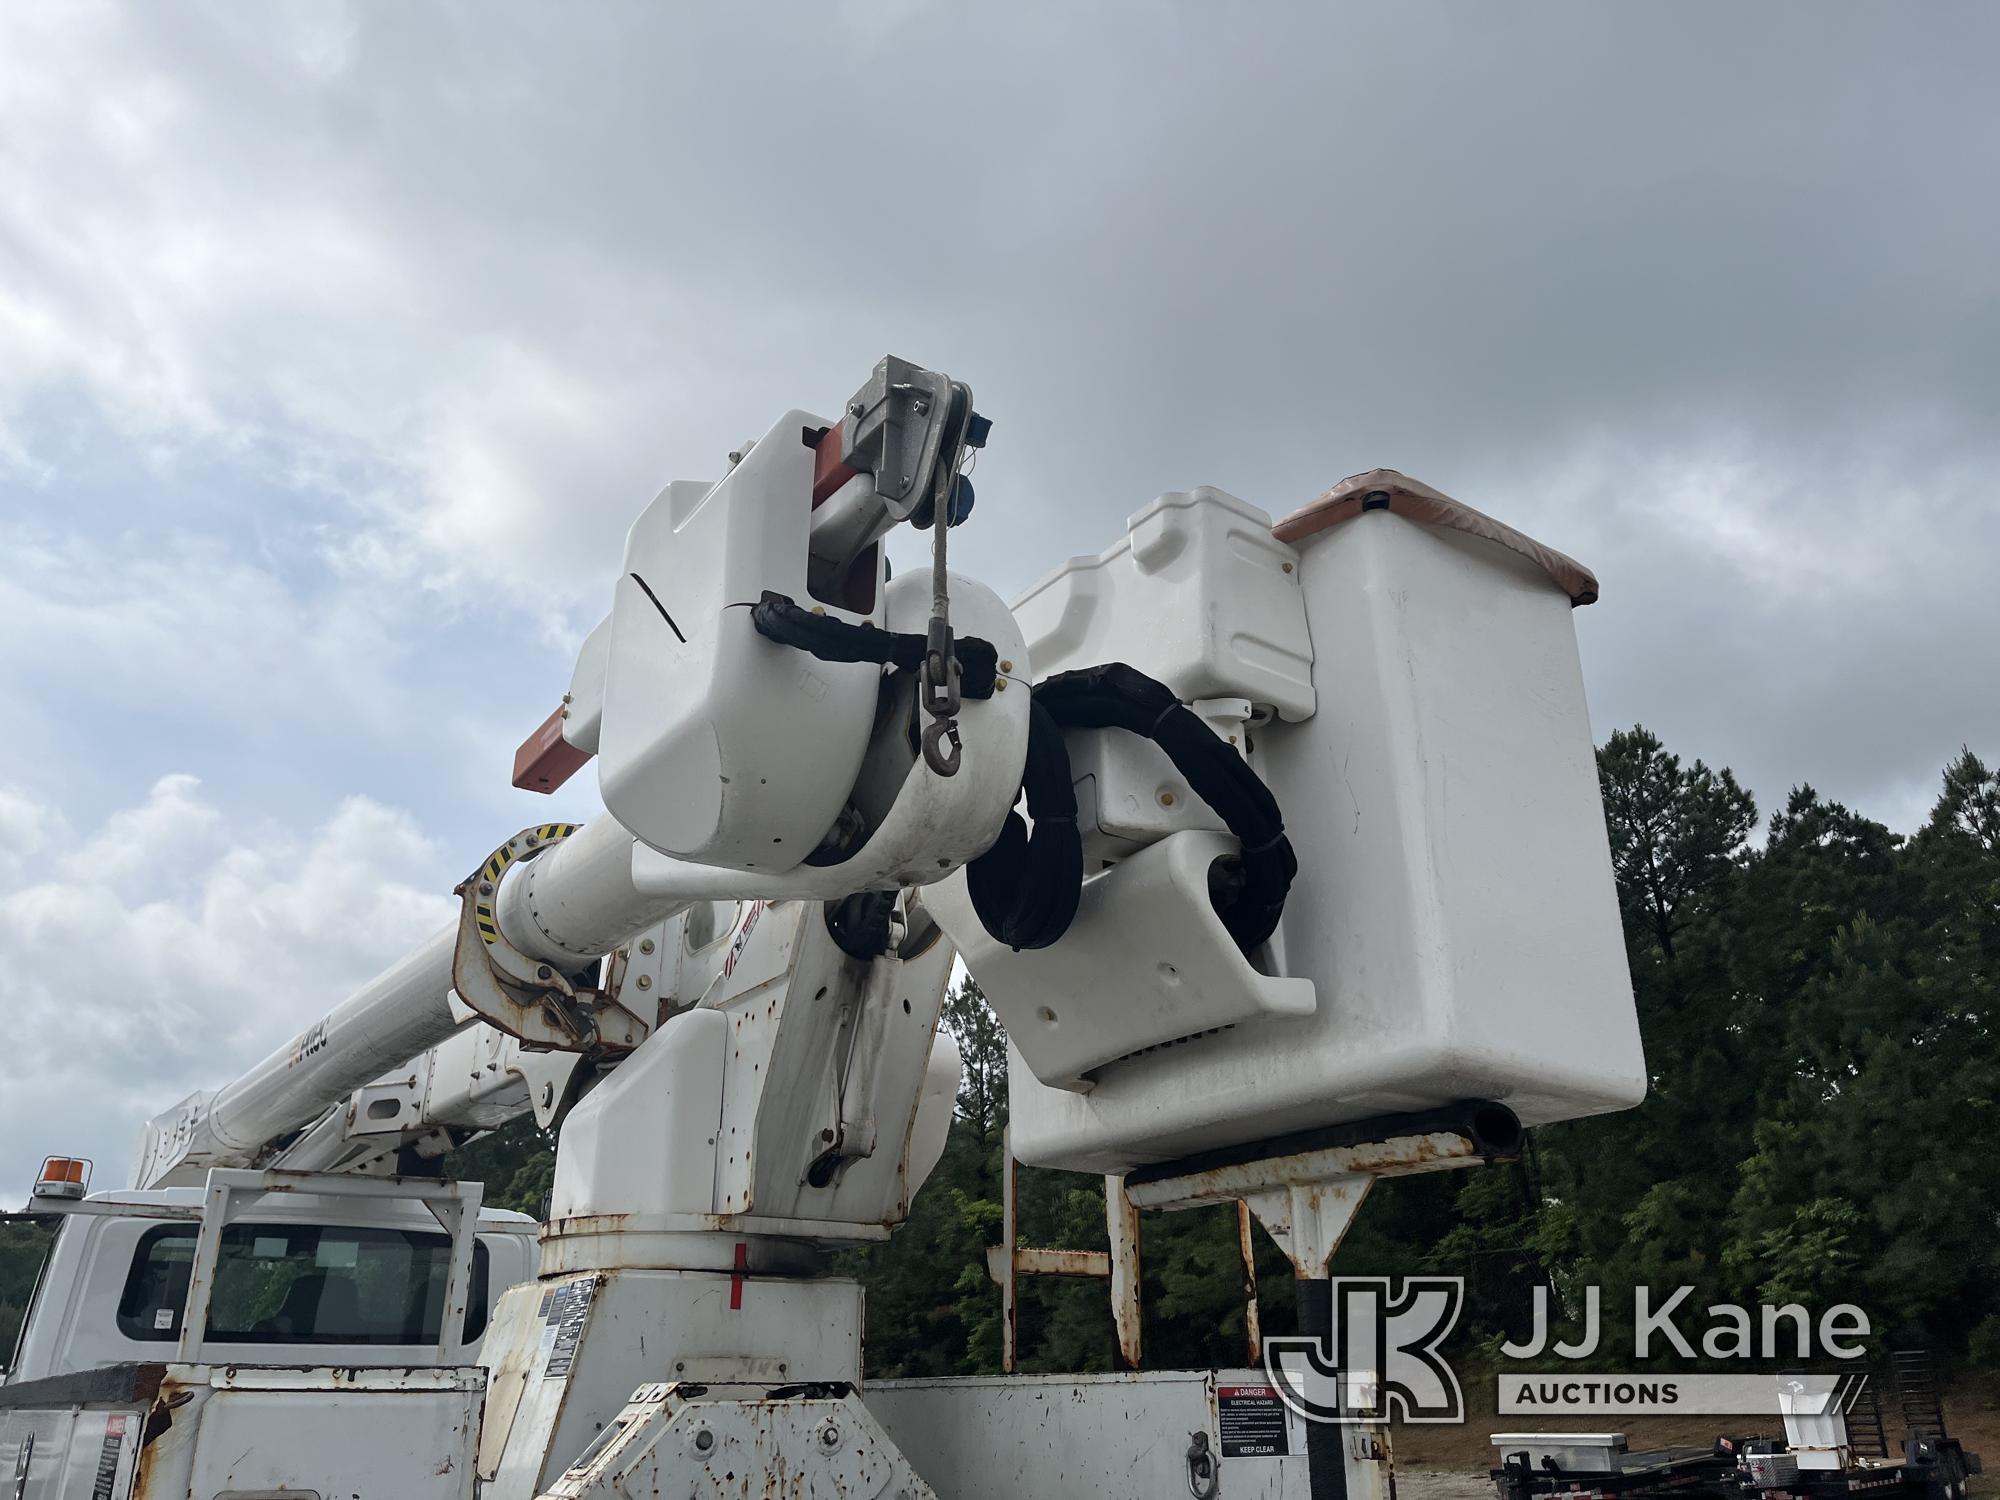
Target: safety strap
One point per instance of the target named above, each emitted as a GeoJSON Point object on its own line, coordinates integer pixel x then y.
{"type": "Point", "coordinates": [777, 618]}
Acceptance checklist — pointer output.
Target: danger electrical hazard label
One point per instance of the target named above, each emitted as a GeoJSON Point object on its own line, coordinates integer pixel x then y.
{"type": "Point", "coordinates": [1251, 1422]}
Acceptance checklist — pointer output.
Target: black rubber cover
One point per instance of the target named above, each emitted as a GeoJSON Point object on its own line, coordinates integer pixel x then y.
{"type": "Point", "coordinates": [1025, 889]}
{"type": "Point", "coordinates": [859, 924]}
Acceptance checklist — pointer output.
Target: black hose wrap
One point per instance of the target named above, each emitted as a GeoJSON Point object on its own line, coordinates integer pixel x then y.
{"type": "Point", "coordinates": [1026, 894]}
{"type": "Point", "coordinates": [777, 618]}
{"type": "Point", "coordinates": [1025, 888]}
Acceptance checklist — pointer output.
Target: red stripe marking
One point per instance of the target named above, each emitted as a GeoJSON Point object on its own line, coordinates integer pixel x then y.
{"type": "Point", "coordinates": [736, 1276]}
{"type": "Point", "coordinates": [546, 760]}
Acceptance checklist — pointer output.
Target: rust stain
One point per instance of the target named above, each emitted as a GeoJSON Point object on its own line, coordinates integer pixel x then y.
{"type": "Point", "coordinates": [1122, 1229]}
{"type": "Point", "coordinates": [166, 1396]}
{"type": "Point", "coordinates": [1246, 1250]}
{"type": "Point", "coordinates": [1033, 1262]}
{"type": "Point", "coordinates": [1313, 1170]}
{"type": "Point", "coordinates": [585, 1224]}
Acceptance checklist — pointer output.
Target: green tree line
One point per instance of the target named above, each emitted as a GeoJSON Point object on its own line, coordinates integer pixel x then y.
{"type": "Point", "coordinates": [1817, 1009]}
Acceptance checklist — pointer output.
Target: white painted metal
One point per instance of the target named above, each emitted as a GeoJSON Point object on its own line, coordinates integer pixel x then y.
{"type": "Point", "coordinates": [792, 1052]}
{"type": "Point", "coordinates": [669, 1093]}
{"type": "Point", "coordinates": [382, 1419]}
{"type": "Point", "coordinates": [719, 746]}
{"type": "Point", "coordinates": [1309, 1220]}
{"type": "Point", "coordinates": [211, 1433]}
{"type": "Point", "coordinates": [384, 1024]}
{"type": "Point", "coordinates": [577, 900]}
{"type": "Point", "coordinates": [1147, 961]}
{"type": "Point", "coordinates": [573, 902]}
{"type": "Point", "coordinates": [723, 1442]}
{"type": "Point", "coordinates": [684, 716]}
{"type": "Point", "coordinates": [583, 704]}
{"type": "Point", "coordinates": [1121, 1224]}
{"type": "Point", "coordinates": [1432, 1151]}
{"type": "Point", "coordinates": [476, 1079]}
{"type": "Point", "coordinates": [1454, 908]}
{"type": "Point", "coordinates": [564, 1356]}
{"type": "Point", "coordinates": [408, 1433]}
{"type": "Point", "coordinates": [1128, 1436]}
{"type": "Point", "coordinates": [73, 1324]}
{"type": "Point", "coordinates": [1197, 592]}
{"type": "Point", "coordinates": [1815, 1427]}
{"type": "Point", "coordinates": [1129, 795]}
{"type": "Point", "coordinates": [924, 825]}
{"type": "Point", "coordinates": [1307, 1200]}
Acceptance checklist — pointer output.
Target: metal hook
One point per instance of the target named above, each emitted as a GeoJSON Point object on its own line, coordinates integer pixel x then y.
{"type": "Point", "coordinates": [935, 758]}
{"type": "Point", "coordinates": [1203, 1476]}
{"type": "Point", "coordinates": [938, 696]}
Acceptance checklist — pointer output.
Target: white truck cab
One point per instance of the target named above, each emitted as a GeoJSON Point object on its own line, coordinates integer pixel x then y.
{"type": "Point", "coordinates": [167, 1322]}
{"type": "Point", "coordinates": [302, 1278]}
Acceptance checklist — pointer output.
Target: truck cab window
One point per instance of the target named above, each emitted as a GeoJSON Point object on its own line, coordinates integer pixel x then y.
{"type": "Point", "coordinates": [302, 1284]}
{"type": "Point", "coordinates": [24, 1259]}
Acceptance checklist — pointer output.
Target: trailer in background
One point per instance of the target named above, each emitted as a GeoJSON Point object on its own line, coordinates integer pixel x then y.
{"type": "Point", "coordinates": [1831, 1454]}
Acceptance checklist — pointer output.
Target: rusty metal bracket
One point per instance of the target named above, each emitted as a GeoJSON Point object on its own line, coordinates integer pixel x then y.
{"type": "Point", "coordinates": [1306, 1189]}
{"type": "Point", "coordinates": [1010, 1260]}
{"type": "Point", "coordinates": [1246, 1252]}
{"type": "Point", "coordinates": [523, 997]}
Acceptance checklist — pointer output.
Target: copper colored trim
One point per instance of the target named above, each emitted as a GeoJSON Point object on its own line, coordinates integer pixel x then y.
{"type": "Point", "coordinates": [829, 472]}
{"type": "Point", "coordinates": [546, 760]}
{"type": "Point", "coordinates": [1385, 489]}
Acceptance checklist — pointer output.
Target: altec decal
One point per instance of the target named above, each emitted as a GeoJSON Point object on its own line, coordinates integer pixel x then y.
{"type": "Point", "coordinates": [743, 936]}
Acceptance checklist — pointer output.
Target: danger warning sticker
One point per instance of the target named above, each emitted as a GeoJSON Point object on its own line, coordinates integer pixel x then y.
{"type": "Point", "coordinates": [1251, 1422]}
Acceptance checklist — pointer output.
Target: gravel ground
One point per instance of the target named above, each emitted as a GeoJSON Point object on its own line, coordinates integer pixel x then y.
{"type": "Point", "coordinates": [1443, 1484]}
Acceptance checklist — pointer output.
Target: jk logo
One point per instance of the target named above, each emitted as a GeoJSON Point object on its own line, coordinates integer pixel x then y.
{"type": "Point", "coordinates": [1383, 1350]}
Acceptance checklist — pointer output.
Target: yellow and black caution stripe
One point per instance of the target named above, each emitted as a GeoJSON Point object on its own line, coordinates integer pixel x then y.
{"type": "Point", "coordinates": [482, 908]}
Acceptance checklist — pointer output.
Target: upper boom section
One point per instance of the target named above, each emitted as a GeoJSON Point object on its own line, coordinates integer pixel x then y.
{"type": "Point", "coordinates": [744, 766]}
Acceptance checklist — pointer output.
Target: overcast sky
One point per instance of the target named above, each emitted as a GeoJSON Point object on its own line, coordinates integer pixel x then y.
{"type": "Point", "coordinates": [339, 345]}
